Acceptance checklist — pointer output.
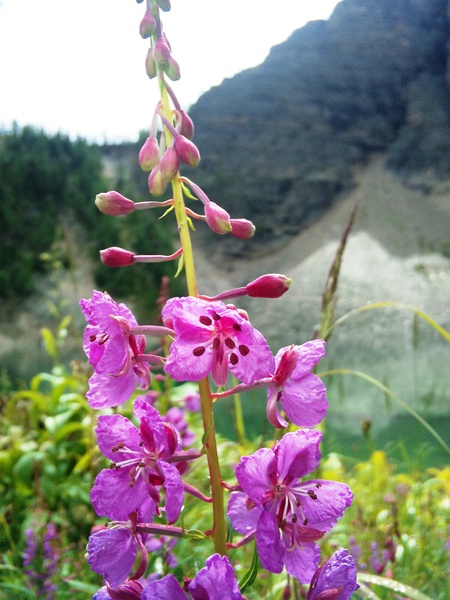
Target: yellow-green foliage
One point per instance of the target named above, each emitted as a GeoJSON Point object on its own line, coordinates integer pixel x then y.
{"type": "Point", "coordinates": [409, 512]}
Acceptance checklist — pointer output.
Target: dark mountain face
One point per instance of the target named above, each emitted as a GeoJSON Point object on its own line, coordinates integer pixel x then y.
{"type": "Point", "coordinates": [279, 141]}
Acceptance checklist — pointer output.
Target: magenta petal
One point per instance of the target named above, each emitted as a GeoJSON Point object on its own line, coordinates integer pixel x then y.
{"type": "Point", "coordinates": [257, 364]}
{"type": "Point", "coordinates": [274, 416]}
{"type": "Point", "coordinates": [326, 504]}
{"type": "Point", "coordinates": [166, 588]}
{"type": "Point", "coordinates": [113, 497]}
{"type": "Point", "coordinates": [183, 365]}
{"type": "Point", "coordinates": [298, 453]}
{"type": "Point", "coordinates": [216, 581]}
{"type": "Point", "coordinates": [106, 391]}
{"type": "Point", "coordinates": [252, 473]}
{"type": "Point", "coordinates": [111, 552]}
{"type": "Point", "coordinates": [173, 486]}
{"type": "Point", "coordinates": [304, 401]}
{"type": "Point", "coordinates": [243, 519]}
{"type": "Point", "coordinates": [337, 574]}
{"type": "Point", "coordinates": [308, 356]}
{"type": "Point", "coordinates": [112, 430]}
{"type": "Point", "coordinates": [270, 549]}
{"type": "Point", "coordinates": [302, 561]}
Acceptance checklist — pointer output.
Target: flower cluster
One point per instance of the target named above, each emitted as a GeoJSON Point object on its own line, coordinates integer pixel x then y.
{"type": "Point", "coordinates": [202, 339]}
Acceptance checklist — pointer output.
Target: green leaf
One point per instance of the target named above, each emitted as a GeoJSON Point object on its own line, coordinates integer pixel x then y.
{"type": "Point", "coordinates": [49, 342]}
{"type": "Point", "coordinates": [250, 576]}
{"type": "Point", "coordinates": [391, 584]}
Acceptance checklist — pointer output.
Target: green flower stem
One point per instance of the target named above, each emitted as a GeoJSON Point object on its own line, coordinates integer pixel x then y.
{"type": "Point", "coordinates": [210, 443]}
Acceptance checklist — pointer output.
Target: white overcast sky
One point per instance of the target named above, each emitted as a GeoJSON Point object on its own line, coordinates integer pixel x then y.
{"type": "Point", "coordinates": [77, 66]}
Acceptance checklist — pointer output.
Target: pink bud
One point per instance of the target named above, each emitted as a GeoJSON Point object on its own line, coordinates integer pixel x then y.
{"type": "Point", "coordinates": [163, 5]}
{"type": "Point", "coordinates": [116, 257]}
{"type": "Point", "coordinates": [147, 26]}
{"type": "Point", "coordinates": [173, 70]}
{"type": "Point", "coordinates": [169, 164]}
{"type": "Point", "coordinates": [268, 286]}
{"type": "Point", "coordinates": [150, 65]}
{"type": "Point", "coordinates": [114, 204]}
{"type": "Point", "coordinates": [217, 218]}
{"type": "Point", "coordinates": [187, 151]}
{"type": "Point", "coordinates": [187, 125]}
{"type": "Point", "coordinates": [161, 53]}
{"type": "Point", "coordinates": [242, 229]}
{"type": "Point", "coordinates": [149, 154]}
{"type": "Point", "coordinates": [156, 182]}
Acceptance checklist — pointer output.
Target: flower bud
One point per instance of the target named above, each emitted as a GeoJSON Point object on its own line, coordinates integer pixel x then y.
{"type": "Point", "coordinates": [242, 229]}
{"type": "Point", "coordinates": [147, 26]}
{"type": "Point", "coordinates": [187, 125]}
{"type": "Point", "coordinates": [156, 182]}
{"type": "Point", "coordinates": [271, 285]}
{"type": "Point", "coordinates": [116, 257]}
{"type": "Point", "coordinates": [173, 70]}
{"type": "Point", "coordinates": [163, 5]}
{"type": "Point", "coordinates": [149, 154]}
{"type": "Point", "coordinates": [161, 53]}
{"type": "Point", "coordinates": [150, 64]}
{"type": "Point", "coordinates": [187, 151]}
{"type": "Point", "coordinates": [217, 218]}
{"type": "Point", "coordinates": [169, 164]}
{"type": "Point", "coordinates": [114, 204]}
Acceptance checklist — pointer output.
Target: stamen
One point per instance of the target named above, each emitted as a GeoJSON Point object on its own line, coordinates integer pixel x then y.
{"type": "Point", "coordinates": [234, 359]}
{"type": "Point", "coordinates": [198, 351]}
{"type": "Point", "coordinates": [204, 320]}
{"type": "Point", "coordinates": [311, 494]}
{"type": "Point", "coordinates": [215, 316]}
{"type": "Point", "coordinates": [216, 344]}
{"type": "Point", "coordinates": [244, 350]}
{"type": "Point", "coordinates": [237, 327]}
{"type": "Point", "coordinates": [229, 342]}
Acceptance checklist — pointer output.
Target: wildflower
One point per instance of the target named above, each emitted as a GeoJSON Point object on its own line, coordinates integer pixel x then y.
{"type": "Point", "coordinates": [211, 337]}
{"type": "Point", "coordinates": [335, 580]}
{"type": "Point", "coordinates": [214, 582]}
{"type": "Point", "coordinates": [113, 351]}
{"type": "Point", "coordinates": [140, 464]}
{"type": "Point", "coordinates": [300, 393]}
{"type": "Point", "coordinates": [287, 515]}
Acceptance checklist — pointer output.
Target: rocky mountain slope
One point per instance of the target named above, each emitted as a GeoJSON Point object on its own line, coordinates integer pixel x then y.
{"type": "Point", "coordinates": [280, 142]}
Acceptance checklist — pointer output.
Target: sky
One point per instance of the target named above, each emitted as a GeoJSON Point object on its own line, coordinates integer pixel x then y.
{"type": "Point", "coordinates": [78, 66]}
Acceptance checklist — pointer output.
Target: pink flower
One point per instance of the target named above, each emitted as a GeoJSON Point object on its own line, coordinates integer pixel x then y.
{"type": "Point", "coordinates": [300, 392]}
{"type": "Point", "coordinates": [113, 351]}
{"type": "Point", "coordinates": [141, 465]}
{"type": "Point", "coordinates": [211, 337]}
{"type": "Point", "coordinates": [286, 514]}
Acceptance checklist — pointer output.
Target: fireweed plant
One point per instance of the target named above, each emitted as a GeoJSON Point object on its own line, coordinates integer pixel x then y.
{"type": "Point", "coordinates": [202, 339]}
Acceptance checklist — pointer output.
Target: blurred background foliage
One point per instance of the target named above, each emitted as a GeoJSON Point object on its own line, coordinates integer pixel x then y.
{"type": "Point", "coordinates": [48, 185]}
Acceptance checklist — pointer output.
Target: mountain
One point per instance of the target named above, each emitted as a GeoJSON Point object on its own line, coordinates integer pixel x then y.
{"type": "Point", "coordinates": [280, 142]}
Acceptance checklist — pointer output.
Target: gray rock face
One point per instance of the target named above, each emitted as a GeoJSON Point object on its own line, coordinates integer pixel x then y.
{"type": "Point", "coordinates": [279, 142]}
